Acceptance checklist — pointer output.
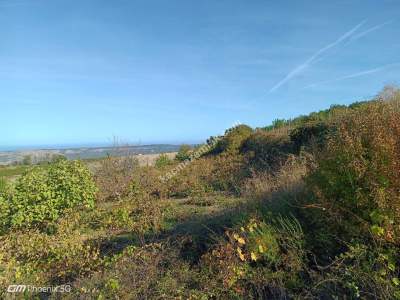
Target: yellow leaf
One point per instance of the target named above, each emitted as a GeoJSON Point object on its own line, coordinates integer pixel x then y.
{"type": "Point", "coordinates": [241, 241]}
{"type": "Point", "coordinates": [253, 256]}
{"type": "Point", "coordinates": [241, 256]}
{"type": "Point", "coordinates": [260, 248]}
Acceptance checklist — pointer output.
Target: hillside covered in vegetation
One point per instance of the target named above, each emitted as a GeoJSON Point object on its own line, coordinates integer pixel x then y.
{"type": "Point", "coordinates": [307, 208]}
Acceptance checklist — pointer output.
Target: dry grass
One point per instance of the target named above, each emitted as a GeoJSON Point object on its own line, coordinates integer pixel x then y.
{"type": "Point", "coordinates": [288, 179]}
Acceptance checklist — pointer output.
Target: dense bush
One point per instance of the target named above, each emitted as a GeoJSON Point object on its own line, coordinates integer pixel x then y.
{"type": "Point", "coordinates": [267, 150]}
{"type": "Point", "coordinates": [147, 180]}
{"type": "Point", "coordinates": [183, 153]}
{"type": "Point", "coordinates": [4, 213]}
{"type": "Point", "coordinates": [36, 258]}
{"type": "Point", "coordinates": [41, 196]}
{"type": "Point", "coordinates": [138, 216]}
{"type": "Point", "coordinates": [321, 116]}
{"type": "Point", "coordinates": [162, 161]}
{"type": "Point", "coordinates": [353, 215]}
{"type": "Point", "coordinates": [193, 180]}
{"type": "Point", "coordinates": [224, 173]}
{"type": "Point", "coordinates": [363, 271]}
{"type": "Point", "coordinates": [229, 173]}
{"type": "Point", "coordinates": [154, 271]}
{"type": "Point", "coordinates": [114, 176]}
{"type": "Point", "coordinates": [27, 160]}
{"type": "Point", "coordinates": [232, 140]}
{"type": "Point", "coordinates": [262, 260]}
{"type": "Point", "coordinates": [310, 135]}
{"type": "Point", "coordinates": [357, 180]}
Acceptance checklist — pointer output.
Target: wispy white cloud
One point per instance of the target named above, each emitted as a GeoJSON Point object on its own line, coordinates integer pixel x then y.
{"type": "Point", "coordinates": [299, 69]}
{"type": "Point", "coordinates": [354, 75]}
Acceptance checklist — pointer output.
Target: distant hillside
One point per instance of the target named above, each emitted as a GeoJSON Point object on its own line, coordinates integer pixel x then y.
{"type": "Point", "coordinates": [9, 157]}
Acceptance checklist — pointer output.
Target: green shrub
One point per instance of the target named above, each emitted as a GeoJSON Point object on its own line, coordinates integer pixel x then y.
{"type": "Point", "coordinates": [357, 181]}
{"type": "Point", "coordinates": [183, 153]}
{"type": "Point", "coordinates": [147, 180]}
{"type": "Point", "coordinates": [229, 173]}
{"type": "Point", "coordinates": [261, 260]}
{"type": "Point", "coordinates": [40, 196]}
{"type": "Point", "coordinates": [321, 116]}
{"type": "Point", "coordinates": [233, 139]}
{"type": "Point", "coordinates": [27, 160]}
{"type": "Point", "coordinates": [193, 180]}
{"type": "Point", "coordinates": [361, 272]}
{"type": "Point", "coordinates": [154, 271]}
{"type": "Point", "coordinates": [4, 213]}
{"type": "Point", "coordinates": [138, 216]}
{"type": "Point", "coordinates": [267, 150]}
{"type": "Point", "coordinates": [309, 135]}
{"type": "Point", "coordinates": [162, 161]}
{"type": "Point", "coordinates": [38, 258]}
{"type": "Point", "coordinates": [221, 173]}
{"type": "Point", "coordinates": [4, 204]}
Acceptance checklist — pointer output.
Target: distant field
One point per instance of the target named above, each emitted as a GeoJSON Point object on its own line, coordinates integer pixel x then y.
{"type": "Point", "coordinates": [13, 171]}
{"type": "Point", "coordinates": [9, 157]}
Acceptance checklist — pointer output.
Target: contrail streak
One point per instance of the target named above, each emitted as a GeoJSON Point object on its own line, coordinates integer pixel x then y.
{"type": "Point", "coordinates": [360, 35]}
{"type": "Point", "coordinates": [309, 61]}
{"type": "Point", "coordinates": [368, 31]}
{"type": "Point", "coordinates": [354, 75]}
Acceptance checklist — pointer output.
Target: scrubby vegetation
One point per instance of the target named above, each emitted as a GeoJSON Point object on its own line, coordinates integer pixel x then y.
{"type": "Point", "coordinates": [307, 208]}
{"type": "Point", "coordinates": [183, 153]}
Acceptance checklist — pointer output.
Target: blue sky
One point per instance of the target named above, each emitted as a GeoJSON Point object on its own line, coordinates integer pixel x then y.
{"type": "Point", "coordinates": [81, 72]}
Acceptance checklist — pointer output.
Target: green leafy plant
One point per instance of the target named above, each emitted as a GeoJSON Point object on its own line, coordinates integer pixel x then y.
{"type": "Point", "coordinates": [41, 196]}
{"type": "Point", "coordinates": [267, 150]}
{"type": "Point", "coordinates": [357, 176]}
{"type": "Point", "coordinates": [183, 153]}
{"type": "Point", "coordinates": [162, 161]}
{"type": "Point", "coordinates": [233, 139]}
